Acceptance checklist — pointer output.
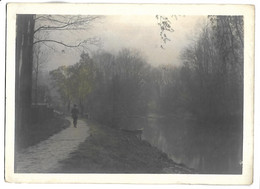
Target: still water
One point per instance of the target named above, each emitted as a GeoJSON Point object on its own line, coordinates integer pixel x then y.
{"type": "Point", "coordinates": [207, 148]}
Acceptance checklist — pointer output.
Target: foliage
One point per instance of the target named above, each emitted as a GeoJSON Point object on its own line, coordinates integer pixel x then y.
{"type": "Point", "coordinates": [74, 82]}
{"type": "Point", "coordinates": [210, 85]}
{"type": "Point", "coordinates": [119, 93]}
{"type": "Point", "coordinates": [165, 26]}
{"type": "Point", "coordinates": [113, 89]}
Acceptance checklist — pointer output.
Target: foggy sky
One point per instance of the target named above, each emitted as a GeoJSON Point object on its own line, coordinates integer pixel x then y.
{"type": "Point", "coordinates": [138, 32]}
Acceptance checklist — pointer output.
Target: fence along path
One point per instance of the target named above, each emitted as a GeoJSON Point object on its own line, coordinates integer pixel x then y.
{"type": "Point", "coordinates": [45, 156]}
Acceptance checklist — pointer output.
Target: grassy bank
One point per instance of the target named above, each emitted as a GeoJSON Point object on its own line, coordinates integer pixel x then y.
{"type": "Point", "coordinates": [40, 131]}
{"type": "Point", "coordinates": [108, 150]}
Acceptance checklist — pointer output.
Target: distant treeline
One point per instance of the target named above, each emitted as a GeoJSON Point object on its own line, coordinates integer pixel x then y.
{"type": "Point", "coordinates": [208, 86]}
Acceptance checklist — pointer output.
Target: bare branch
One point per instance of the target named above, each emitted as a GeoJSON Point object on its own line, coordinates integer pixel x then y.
{"type": "Point", "coordinates": [72, 23]}
{"type": "Point", "coordinates": [51, 27]}
{"type": "Point", "coordinates": [92, 41]}
{"type": "Point", "coordinates": [40, 17]}
{"type": "Point", "coordinates": [54, 41]}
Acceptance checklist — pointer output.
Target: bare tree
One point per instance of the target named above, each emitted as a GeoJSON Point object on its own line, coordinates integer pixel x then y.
{"type": "Point", "coordinates": [31, 31]}
{"type": "Point", "coordinates": [23, 59]}
{"type": "Point", "coordinates": [63, 24]}
{"type": "Point", "coordinates": [40, 58]}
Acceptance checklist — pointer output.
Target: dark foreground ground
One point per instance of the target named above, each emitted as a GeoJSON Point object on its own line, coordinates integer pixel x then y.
{"type": "Point", "coordinates": [107, 150]}
{"type": "Point", "coordinates": [40, 131]}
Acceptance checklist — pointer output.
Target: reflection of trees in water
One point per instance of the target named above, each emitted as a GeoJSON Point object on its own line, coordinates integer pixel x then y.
{"type": "Point", "coordinates": [209, 150]}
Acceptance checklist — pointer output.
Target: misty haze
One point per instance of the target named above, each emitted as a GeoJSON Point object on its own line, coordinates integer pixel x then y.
{"type": "Point", "coordinates": [129, 94]}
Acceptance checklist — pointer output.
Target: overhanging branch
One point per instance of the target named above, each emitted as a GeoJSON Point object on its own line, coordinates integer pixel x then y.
{"type": "Point", "coordinates": [70, 23]}
{"type": "Point", "coordinates": [58, 42]}
{"type": "Point", "coordinates": [90, 41]}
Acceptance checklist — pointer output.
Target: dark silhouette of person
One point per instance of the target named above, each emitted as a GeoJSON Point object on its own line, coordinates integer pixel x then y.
{"type": "Point", "coordinates": [74, 114]}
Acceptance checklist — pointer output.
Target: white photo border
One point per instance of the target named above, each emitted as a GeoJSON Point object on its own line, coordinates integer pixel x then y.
{"type": "Point", "coordinates": [132, 9]}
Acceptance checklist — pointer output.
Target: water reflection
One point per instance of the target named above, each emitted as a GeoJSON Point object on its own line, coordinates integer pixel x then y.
{"type": "Point", "coordinates": [208, 148]}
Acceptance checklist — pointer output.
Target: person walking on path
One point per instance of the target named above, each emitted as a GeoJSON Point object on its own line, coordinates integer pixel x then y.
{"type": "Point", "coordinates": [74, 114]}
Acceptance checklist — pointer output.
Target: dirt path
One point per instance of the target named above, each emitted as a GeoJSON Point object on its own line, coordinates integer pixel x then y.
{"type": "Point", "coordinates": [45, 156]}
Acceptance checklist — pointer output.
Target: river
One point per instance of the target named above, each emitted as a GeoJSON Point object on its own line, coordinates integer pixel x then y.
{"type": "Point", "coordinates": [206, 147]}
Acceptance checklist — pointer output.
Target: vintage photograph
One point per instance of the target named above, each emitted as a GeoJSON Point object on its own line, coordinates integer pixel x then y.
{"type": "Point", "coordinates": [129, 93]}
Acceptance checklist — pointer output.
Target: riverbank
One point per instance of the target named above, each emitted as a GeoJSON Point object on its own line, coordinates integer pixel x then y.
{"type": "Point", "coordinates": [41, 131]}
{"type": "Point", "coordinates": [46, 155]}
{"type": "Point", "coordinates": [108, 150]}
{"type": "Point", "coordinates": [209, 147]}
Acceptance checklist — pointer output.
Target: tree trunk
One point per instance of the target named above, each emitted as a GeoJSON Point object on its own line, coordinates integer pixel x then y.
{"type": "Point", "coordinates": [24, 59]}
{"type": "Point", "coordinates": [36, 80]}
{"type": "Point", "coordinates": [81, 106]}
{"type": "Point", "coordinates": [68, 106]}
